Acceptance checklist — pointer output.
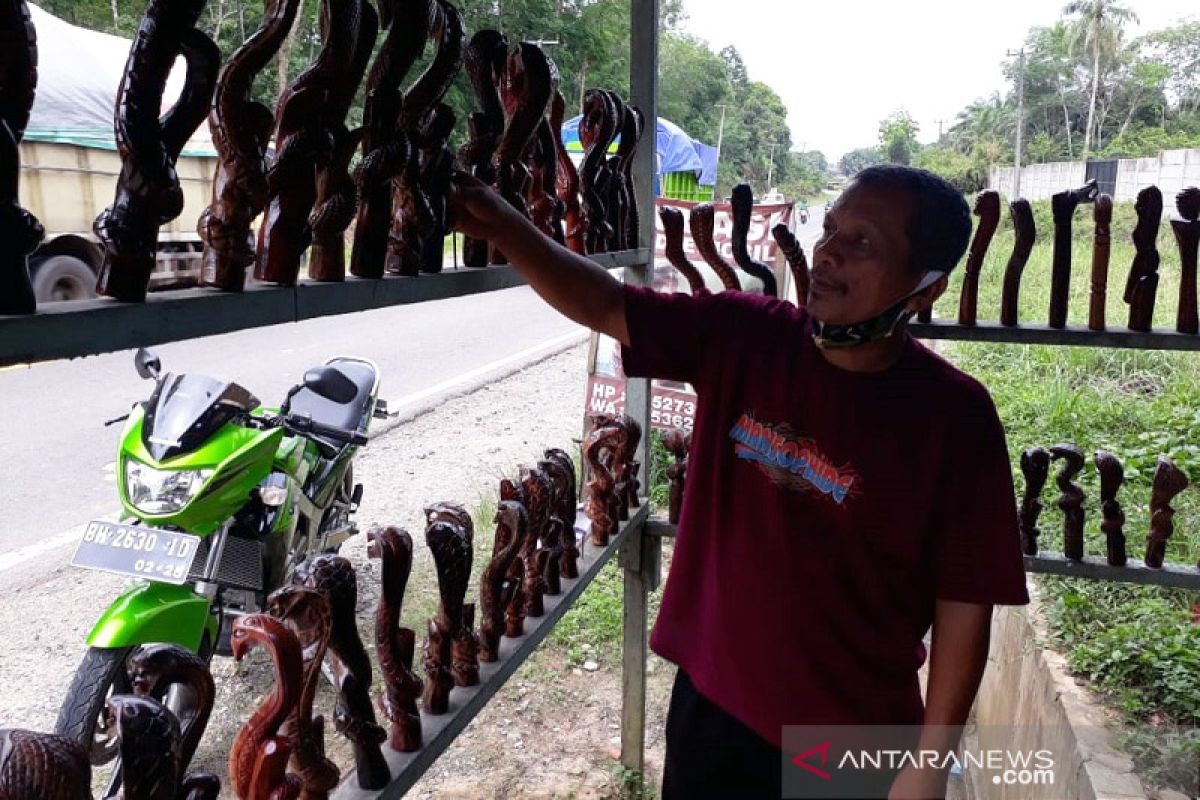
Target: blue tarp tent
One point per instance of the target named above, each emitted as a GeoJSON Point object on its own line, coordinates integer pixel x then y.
{"type": "Point", "coordinates": [677, 152]}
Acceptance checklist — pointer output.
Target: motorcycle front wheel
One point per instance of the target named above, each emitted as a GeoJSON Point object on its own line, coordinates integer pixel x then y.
{"type": "Point", "coordinates": [100, 675]}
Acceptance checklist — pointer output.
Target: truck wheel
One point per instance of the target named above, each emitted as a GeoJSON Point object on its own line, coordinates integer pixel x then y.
{"type": "Point", "coordinates": [63, 278]}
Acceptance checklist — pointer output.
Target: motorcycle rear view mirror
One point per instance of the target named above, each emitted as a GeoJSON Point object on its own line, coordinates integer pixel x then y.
{"type": "Point", "coordinates": [331, 384]}
{"type": "Point", "coordinates": [147, 364]}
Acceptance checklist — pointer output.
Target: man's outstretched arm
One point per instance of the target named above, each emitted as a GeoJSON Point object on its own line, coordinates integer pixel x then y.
{"type": "Point", "coordinates": [578, 288]}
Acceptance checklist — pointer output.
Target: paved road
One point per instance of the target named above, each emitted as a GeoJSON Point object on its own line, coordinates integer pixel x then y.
{"type": "Point", "coordinates": [58, 456]}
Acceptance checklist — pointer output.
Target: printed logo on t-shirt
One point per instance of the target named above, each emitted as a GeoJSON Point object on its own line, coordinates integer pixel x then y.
{"type": "Point", "coordinates": [793, 462]}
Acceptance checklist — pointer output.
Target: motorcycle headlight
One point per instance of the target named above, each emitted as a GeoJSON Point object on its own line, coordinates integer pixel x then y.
{"type": "Point", "coordinates": [161, 491]}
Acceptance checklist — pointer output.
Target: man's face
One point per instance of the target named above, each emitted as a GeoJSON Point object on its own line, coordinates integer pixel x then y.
{"type": "Point", "coordinates": [860, 263]}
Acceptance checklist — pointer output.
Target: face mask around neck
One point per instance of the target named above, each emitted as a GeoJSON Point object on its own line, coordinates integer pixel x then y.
{"type": "Point", "coordinates": [878, 327]}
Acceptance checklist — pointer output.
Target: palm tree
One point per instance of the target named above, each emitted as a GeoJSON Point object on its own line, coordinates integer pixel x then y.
{"type": "Point", "coordinates": [1096, 29]}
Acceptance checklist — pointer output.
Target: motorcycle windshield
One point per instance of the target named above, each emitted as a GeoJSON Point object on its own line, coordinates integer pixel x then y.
{"type": "Point", "coordinates": [185, 410]}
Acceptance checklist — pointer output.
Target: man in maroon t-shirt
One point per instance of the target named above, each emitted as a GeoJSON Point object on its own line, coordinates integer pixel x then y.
{"type": "Point", "coordinates": [847, 487]}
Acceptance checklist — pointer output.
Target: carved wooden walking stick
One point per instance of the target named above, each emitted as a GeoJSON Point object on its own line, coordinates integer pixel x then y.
{"type": "Point", "coordinates": [609, 181]}
{"type": "Point", "coordinates": [259, 755]}
{"type": "Point", "coordinates": [1169, 480]}
{"type": "Point", "coordinates": [1071, 500]}
{"type": "Point", "coordinates": [483, 61]}
{"type": "Point", "coordinates": [42, 766]}
{"type": "Point", "coordinates": [567, 178]}
{"type": "Point", "coordinates": [631, 137]}
{"type": "Point", "coordinates": [1035, 466]}
{"type": "Point", "coordinates": [1024, 235]}
{"type": "Point", "coordinates": [598, 447]}
{"type": "Point", "coordinates": [702, 221]}
{"type": "Point", "coordinates": [677, 442]}
{"type": "Point", "coordinates": [154, 668]}
{"type": "Point", "coordinates": [672, 222]}
{"type": "Point", "coordinates": [241, 131]}
{"type": "Point", "coordinates": [448, 534]}
{"type": "Point", "coordinates": [385, 147]}
{"type": "Point", "coordinates": [597, 128]}
{"type": "Point", "coordinates": [541, 193]}
{"type": "Point", "coordinates": [1142, 286]}
{"type": "Point", "coordinates": [526, 85]}
{"type": "Point", "coordinates": [394, 644]}
{"type": "Point", "coordinates": [987, 208]}
{"type": "Point", "coordinates": [1112, 475]}
{"type": "Point", "coordinates": [742, 205]}
{"type": "Point", "coordinates": [20, 231]}
{"type": "Point", "coordinates": [796, 260]}
{"type": "Point", "coordinates": [1100, 252]}
{"type": "Point", "coordinates": [568, 563]}
{"type": "Point", "coordinates": [307, 615]}
{"type": "Point", "coordinates": [148, 193]}
{"type": "Point", "coordinates": [1062, 206]}
{"type": "Point", "coordinates": [353, 714]}
{"type": "Point", "coordinates": [496, 588]}
{"type": "Point", "coordinates": [1187, 237]}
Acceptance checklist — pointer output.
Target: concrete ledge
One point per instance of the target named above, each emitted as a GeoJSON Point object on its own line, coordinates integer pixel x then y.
{"type": "Point", "coordinates": [1028, 687]}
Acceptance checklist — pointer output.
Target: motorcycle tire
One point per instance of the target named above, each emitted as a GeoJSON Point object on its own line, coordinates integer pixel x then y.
{"type": "Point", "coordinates": [100, 675]}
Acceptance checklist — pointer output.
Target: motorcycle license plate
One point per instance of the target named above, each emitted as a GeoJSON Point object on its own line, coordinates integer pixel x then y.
{"type": "Point", "coordinates": [150, 553]}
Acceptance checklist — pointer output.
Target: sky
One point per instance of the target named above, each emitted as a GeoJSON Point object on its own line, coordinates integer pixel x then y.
{"type": "Point", "coordinates": [841, 66]}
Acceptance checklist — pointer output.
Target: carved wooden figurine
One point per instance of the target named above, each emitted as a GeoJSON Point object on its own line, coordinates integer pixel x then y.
{"type": "Point", "coordinates": [702, 221]}
{"type": "Point", "coordinates": [20, 231]}
{"type": "Point", "coordinates": [154, 668]}
{"type": "Point", "coordinates": [567, 178]}
{"type": "Point", "coordinates": [1142, 286]}
{"type": "Point", "coordinates": [541, 193]}
{"type": "Point", "coordinates": [598, 450]}
{"type": "Point", "coordinates": [560, 529]}
{"type": "Point", "coordinates": [148, 192]}
{"type": "Point", "coordinates": [241, 131]}
{"type": "Point", "coordinates": [514, 614]}
{"type": "Point", "coordinates": [1071, 500]}
{"type": "Point", "coordinates": [394, 644]}
{"type": "Point", "coordinates": [568, 566]}
{"type": "Point", "coordinates": [527, 85]}
{"type": "Point", "coordinates": [1112, 475]}
{"type": "Point", "coordinates": [742, 205]}
{"type": "Point", "coordinates": [1024, 235]}
{"type": "Point", "coordinates": [631, 137]}
{"type": "Point", "coordinates": [796, 260]}
{"type": "Point", "coordinates": [447, 662]}
{"type": "Point", "coordinates": [1169, 480]}
{"type": "Point", "coordinates": [1187, 237]}
{"type": "Point", "coordinates": [147, 745]}
{"type": "Point", "coordinates": [609, 181]}
{"type": "Point", "coordinates": [987, 208]}
{"type": "Point", "coordinates": [385, 147]}
{"type": "Point", "coordinates": [597, 129]}
{"type": "Point", "coordinates": [1101, 246]}
{"type": "Point", "coordinates": [42, 766]}
{"type": "Point", "coordinates": [1035, 466]}
{"type": "Point", "coordinates": [306, 614]}
{"type": "Point", "coordinates": [677, 442]}
{"type": "Point", "coordinates": [672, 223]}
{"type": "Point", "coordinates": [537, 491]}
{"type": "Point", "coordinates": [483, 61]}
{"type": "Point", "coordinates": [353, 714]}
{"type": "Point", "coordinates": [1062, 206]}
{"type": "Point", "coordinates": [259, 755]}
{"type": "Point", "coordinates": [496, 588]}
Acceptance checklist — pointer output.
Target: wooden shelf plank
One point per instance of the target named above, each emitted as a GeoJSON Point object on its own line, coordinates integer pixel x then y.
{"type": "Point", "coordinates": [102, 325]}
{"type": "Point", "coordinates": [1135, 571]}
{"type": "Point", "coordinates": [1072, 335]}
{"type": "Point", "coordinates": [439, 732]}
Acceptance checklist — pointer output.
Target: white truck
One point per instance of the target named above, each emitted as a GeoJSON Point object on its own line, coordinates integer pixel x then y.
{"type": "Point", "coordinates": [69, 164]}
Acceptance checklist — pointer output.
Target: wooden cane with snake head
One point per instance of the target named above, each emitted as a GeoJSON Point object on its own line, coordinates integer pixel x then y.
{"type": "Point", "coordinates": [703, 221]}
{"type": "Point", "coordinates": [569, 567]}
{"type": "Point", "coordinates": [449, 533]}
{"type": "Point", "coordinates": [742, 208]}
{"type": "Point", "coordinates": [987, 208]}
{"type": "Point", "coordinates": [1024, 236]}
{"type": "Point", "coordinates": [154, 668]}
{"type": "Point", "coordinates": [483, 60]}
{"type": "Point", "coordinates": [395, 645]}
{"type": "Point", "coordinates": [797, 262]}
{"type": "Point", "coordinates": [672, 222]}
{"type": "Point", "coordinates": [496, 588]}
{"type": "Point", "coordinates": [567, 181]}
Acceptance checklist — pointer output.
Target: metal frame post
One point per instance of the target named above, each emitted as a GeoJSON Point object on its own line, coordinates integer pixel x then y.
{"type": "Point", "coordinates": [639, 553]}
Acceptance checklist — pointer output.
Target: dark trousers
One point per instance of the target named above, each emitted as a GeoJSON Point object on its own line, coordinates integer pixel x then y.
{"type": "Point", "coordinates": [710, 754]}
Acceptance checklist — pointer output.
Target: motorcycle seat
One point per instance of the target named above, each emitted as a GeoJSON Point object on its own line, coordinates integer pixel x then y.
{"type": "Point", "coordinates": [351, 416]}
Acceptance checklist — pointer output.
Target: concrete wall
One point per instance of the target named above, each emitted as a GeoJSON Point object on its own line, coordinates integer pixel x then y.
{"type": "Point", "coordinates": [1027, 688]}
{"type": "Point", "coordinates": [1170, 171]}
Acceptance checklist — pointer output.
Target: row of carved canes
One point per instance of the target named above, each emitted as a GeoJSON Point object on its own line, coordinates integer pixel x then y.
{"type": "Point", "coordinates": [280, 752]}
{"type": "Point", "coordinates": [609, 452]}
{"type": "Point", "coordinates": [306, 193]}
{"type": "Point", "coordinates": [1169, 480]}
{"type": "Point", "coordinates": [702, 222]}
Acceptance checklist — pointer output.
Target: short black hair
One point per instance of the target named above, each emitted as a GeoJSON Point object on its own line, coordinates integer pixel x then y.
{"type": "Point", "coordinates": [941, 221]}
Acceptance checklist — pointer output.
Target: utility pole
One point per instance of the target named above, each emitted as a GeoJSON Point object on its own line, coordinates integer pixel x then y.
{"type": "Point", "coordinates": [939, 124]}
{"type": "Point", "coordinates": [771, 166]}
{"type": "Point", "coordinates": [721, 131]}
{"type": "Point", "coordinates": [1020, 54]}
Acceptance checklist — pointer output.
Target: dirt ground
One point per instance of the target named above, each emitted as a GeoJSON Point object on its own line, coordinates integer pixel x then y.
{"type": "Point", "coordinates": [552, 730]}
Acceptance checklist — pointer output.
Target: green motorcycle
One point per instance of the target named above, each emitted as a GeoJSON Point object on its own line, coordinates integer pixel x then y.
{"type": "Point", "coordinates": [221, 499]}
